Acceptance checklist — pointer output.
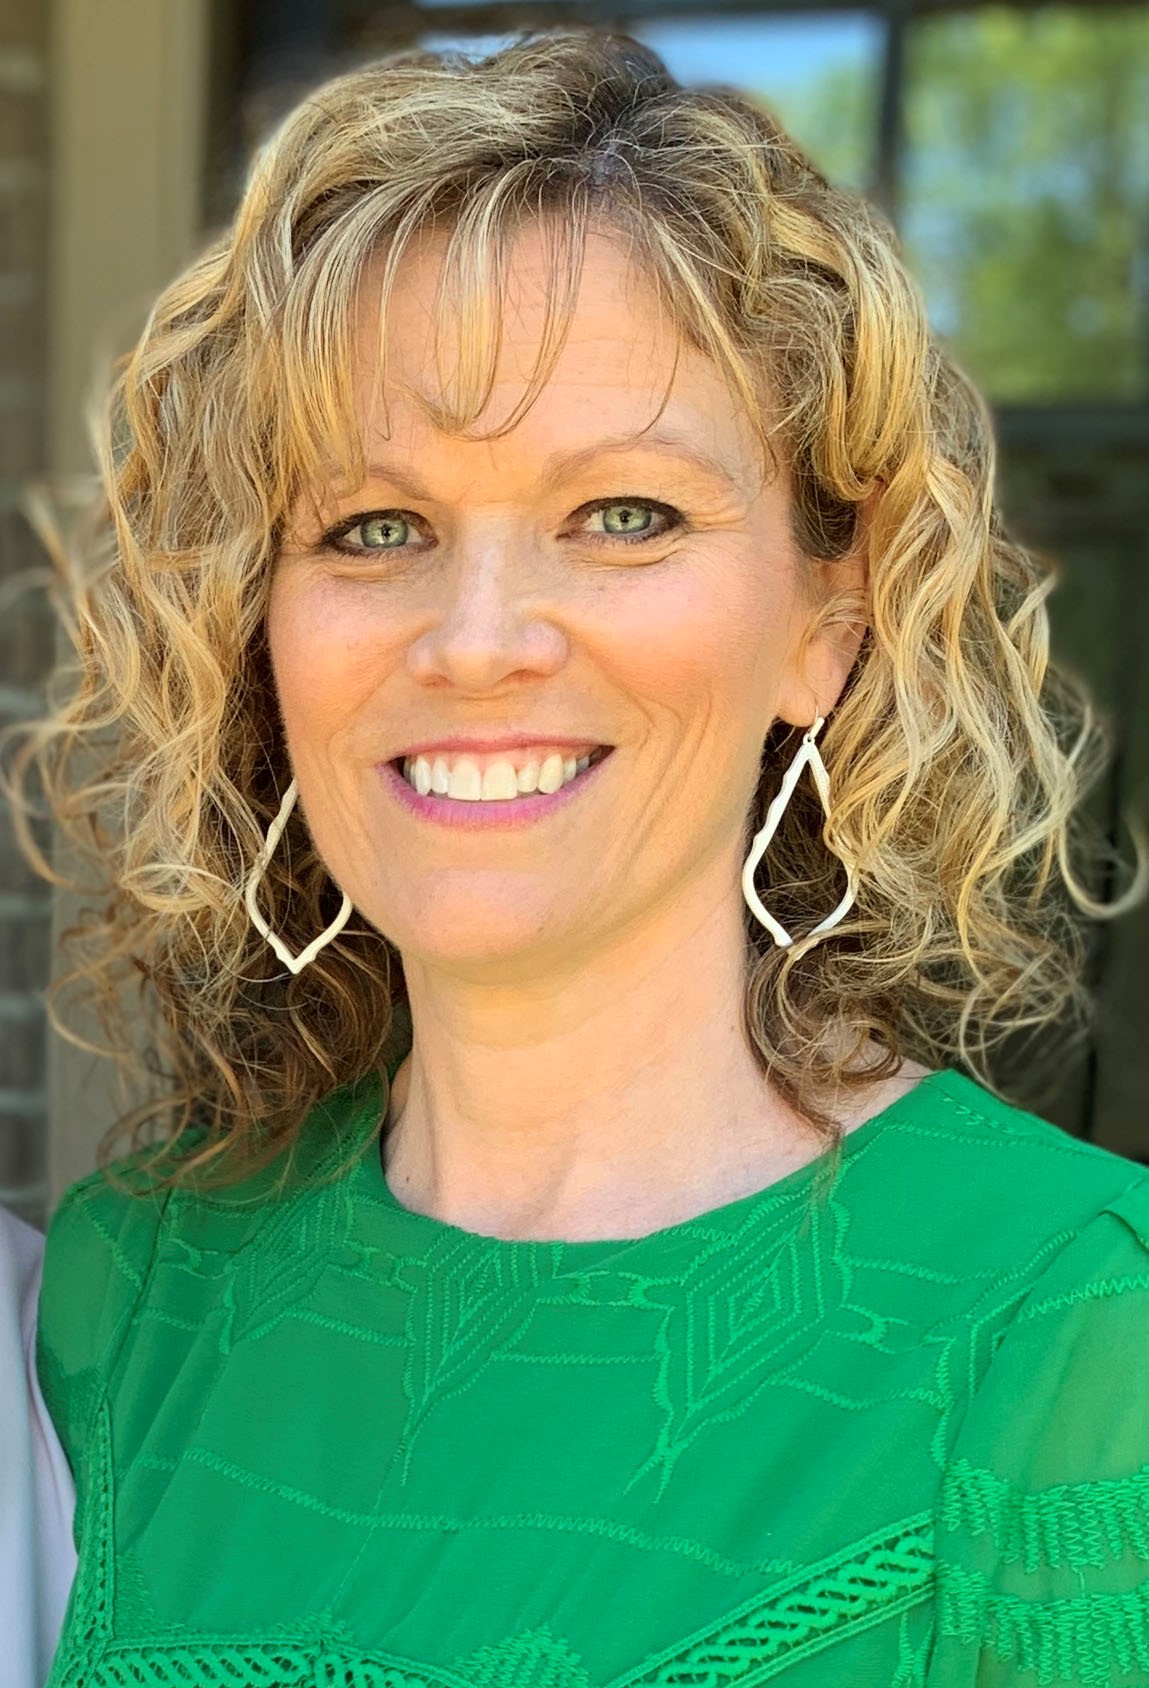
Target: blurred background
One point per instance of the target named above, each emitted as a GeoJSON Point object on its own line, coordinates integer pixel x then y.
{"type": "Point", "coordinates": [1010, 145]}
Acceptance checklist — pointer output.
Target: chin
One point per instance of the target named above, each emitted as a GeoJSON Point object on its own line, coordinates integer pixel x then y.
{"type": "Point", "coordinates": [475, 926]}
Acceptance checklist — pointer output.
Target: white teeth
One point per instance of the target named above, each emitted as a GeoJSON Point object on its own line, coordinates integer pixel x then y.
{"type": "Point", "coordinates": [463, 780]}
{"type": "Point", "coordinates": [466, 782]}
{"type": "Point", "coordinates": [500, 780]}
{"type": "Point", "coordinates": [551, 773]}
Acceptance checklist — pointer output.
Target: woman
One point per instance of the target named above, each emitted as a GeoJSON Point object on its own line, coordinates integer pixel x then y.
{"type": "Point", "coordinates": [543, 525]}
{"type": "Point", "coordinates": [37, 1557]}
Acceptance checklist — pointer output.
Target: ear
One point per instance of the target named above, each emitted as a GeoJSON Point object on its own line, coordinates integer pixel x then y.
{"type": "Point", "coordinates": [833, 627]}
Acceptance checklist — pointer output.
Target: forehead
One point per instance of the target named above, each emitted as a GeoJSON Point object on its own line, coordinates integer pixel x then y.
{"type": "Point", "coordinates": [623, 364]}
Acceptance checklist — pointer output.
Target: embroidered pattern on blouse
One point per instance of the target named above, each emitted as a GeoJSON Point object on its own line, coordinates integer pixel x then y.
{"type": "Point", "coordinates": [1075, 1524]}
{"type": "Point", "coordinates": [739, 1320]}
{"type": "Point", "coordinates": [88, 1621]}
{"type": "Point", "coordinates": [278, 1270]}
{"type": "Point", "coordinates": [744, 1312]}
{"type": "Point", "coordinates": [876, 1579]}
{"type": "Point", "coordinates": [881, 1576]}
{"type": "Point", "coordinates": [746, 1307]}
{"type": "Point", "coordinates": [1085, 1641]}
{"type": "Point", "coordinates": [456, 1327]}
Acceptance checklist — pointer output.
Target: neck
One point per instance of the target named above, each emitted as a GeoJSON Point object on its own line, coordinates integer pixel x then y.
{"type": "Point", "coordinates": [611, 1099]}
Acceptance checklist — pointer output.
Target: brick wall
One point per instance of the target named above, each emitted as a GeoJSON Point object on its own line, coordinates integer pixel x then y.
{"type": "Point", "coordinates": [26, 632]}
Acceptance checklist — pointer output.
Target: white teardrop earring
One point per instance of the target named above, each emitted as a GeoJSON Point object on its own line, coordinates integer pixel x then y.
{"type": "Point", "coordinates": [274, 832]}
{"type": "Point", "coordinates": [807, 753]}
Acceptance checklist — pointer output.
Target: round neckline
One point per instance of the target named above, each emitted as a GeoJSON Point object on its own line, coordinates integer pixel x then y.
{"type": "Point", "coordinates": [725, 1215]}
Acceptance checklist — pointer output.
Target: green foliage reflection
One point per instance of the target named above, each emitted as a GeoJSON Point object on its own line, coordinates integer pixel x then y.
{"type": "Point", "coordinates": [1025, 206]}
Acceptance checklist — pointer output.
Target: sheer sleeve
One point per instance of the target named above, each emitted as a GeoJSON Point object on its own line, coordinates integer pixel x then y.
{"type": "Point", "coordinates": [1042, 1520]}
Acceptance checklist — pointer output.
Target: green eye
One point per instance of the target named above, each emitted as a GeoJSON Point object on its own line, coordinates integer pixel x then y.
{"type": "Point", "coordinates": [631, 520]}
{"type": "Point", "coordinates": [626, 518]}
{"type": "Point", "coordinates": [382, 533]}
{"type": "Point", "coordinates": [382, 530]}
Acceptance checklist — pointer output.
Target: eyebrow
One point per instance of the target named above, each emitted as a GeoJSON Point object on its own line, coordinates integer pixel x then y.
{"type": "Point", "coordinates": [564, 463]}
{"type": "Point", "coordinates": [673, 444]}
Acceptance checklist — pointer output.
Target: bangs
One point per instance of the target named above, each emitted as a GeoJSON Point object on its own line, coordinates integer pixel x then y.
{"type": "Point", "coordinates": [308, 356]}
{"type": "Point", "coordinates": [310, 407]}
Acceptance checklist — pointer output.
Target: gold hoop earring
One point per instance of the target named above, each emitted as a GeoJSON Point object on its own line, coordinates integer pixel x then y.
{"type": "Point", "coordinates": [807, 753]}
{"type": "Point", "coordinates": [274, 832]}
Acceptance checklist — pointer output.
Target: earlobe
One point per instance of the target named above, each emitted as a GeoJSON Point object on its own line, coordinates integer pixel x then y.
{"type": "Point", "coordinates": [827, 653]}
{"type": "Point", "coordinates": [837, 626]}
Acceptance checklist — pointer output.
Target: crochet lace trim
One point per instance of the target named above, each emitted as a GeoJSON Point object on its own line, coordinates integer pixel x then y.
{"type": "Point", "coordinates": [884, 1576]}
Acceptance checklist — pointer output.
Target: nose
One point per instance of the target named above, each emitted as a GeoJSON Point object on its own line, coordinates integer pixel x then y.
{"type": "Point", "coordinates": [494, 617]}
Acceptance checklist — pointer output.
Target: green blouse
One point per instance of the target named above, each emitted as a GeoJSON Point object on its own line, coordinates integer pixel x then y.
{"type": "Point", "coordinates": [889, 1430]}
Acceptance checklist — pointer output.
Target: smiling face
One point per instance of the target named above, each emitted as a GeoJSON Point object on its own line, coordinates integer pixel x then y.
{"type": "Point", "coordinates": [575, 580]}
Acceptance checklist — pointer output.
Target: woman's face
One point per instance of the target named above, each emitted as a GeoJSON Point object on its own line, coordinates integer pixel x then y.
{"type": "Point", "coordinates": [575, 580]}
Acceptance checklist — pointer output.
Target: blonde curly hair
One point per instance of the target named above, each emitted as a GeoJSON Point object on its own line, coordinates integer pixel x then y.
{"type": "Point", "coordinates": [958, 754]}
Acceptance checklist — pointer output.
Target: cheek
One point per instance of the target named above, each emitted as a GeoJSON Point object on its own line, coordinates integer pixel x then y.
{"type": "Point", "coordinates": [328, 655]}
{"type": "Point", "coordinates": [718, 627]}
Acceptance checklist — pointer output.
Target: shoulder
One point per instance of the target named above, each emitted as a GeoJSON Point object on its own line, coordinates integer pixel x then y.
{"type": "Point", "coordinates": [998, 1182]}
{"type": "Point", "coordinates": [96, 1258]}
{"type": "Point", "coordinates": [110, 1226]}
{"type": "Point", "coordinates": [1051, 1234]}
{"type": "Point", "coordinates": [1037, 1241]}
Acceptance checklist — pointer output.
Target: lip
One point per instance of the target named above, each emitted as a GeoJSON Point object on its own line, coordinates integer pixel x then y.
{"type": "Point", "coordinates": [490, 746]}
{"type": "Point", "coordinates": [501, 813]}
